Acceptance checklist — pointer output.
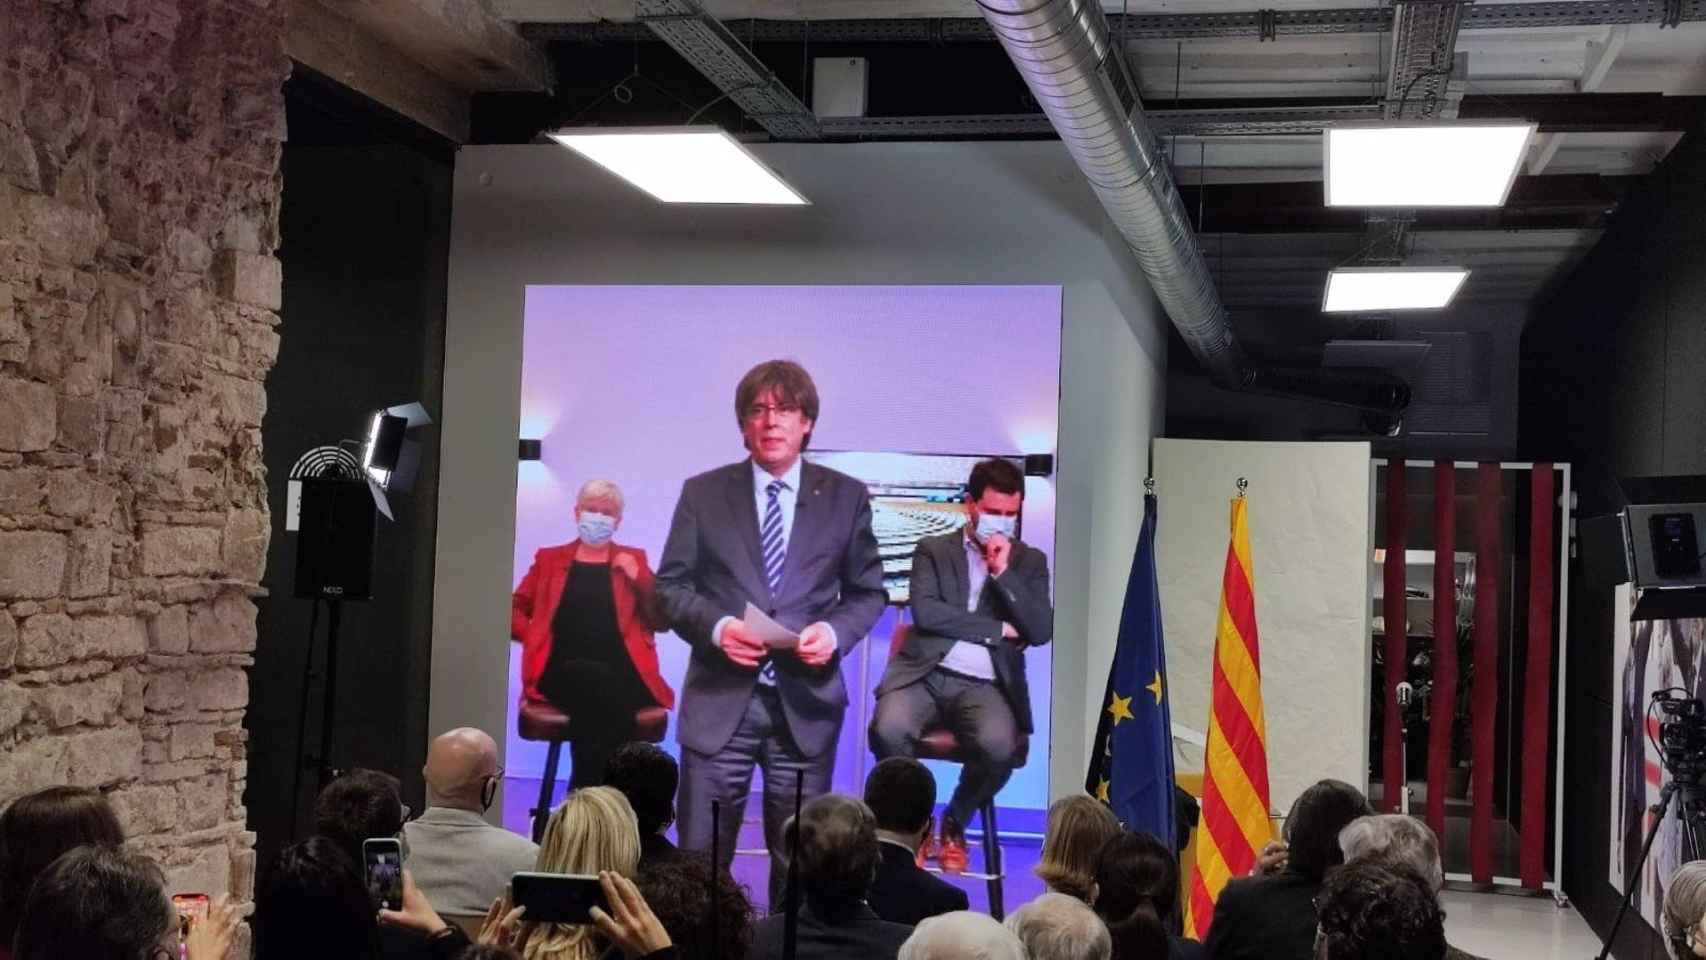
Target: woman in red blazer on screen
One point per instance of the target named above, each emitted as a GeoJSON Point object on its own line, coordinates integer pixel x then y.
{"type": "Point", "coordinates": [585, 615]}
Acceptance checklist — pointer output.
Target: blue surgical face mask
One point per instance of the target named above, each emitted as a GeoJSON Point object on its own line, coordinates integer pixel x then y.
{"type": "Point", "coordinates": [596, 528]}
{"type": "Point", "coordinates": [989, 525]}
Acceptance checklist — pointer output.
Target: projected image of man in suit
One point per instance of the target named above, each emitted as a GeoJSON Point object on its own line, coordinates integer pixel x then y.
{"type": "Point", "coordinates": [793, 539]}
{"type": "Point", "coordinates": [980, 597]}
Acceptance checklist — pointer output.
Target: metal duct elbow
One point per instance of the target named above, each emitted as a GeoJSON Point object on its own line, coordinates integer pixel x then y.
{"type": "Point", "coordinates": [1063, 51]}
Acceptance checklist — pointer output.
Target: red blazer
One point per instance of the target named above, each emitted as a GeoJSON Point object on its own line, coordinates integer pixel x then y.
{"type": "Point", "coordinates": [534, 603]}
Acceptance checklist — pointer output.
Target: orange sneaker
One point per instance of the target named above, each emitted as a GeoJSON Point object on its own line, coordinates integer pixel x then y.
{"type": "Point", "coordinates": [954, 857]}
{"type": "Point", "coordinates": [928, 850]}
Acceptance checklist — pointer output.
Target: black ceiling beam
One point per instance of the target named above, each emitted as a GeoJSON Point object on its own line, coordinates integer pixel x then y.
{"type": "Point", "coordinates": [1589, 112]}
{"type": "Point", "coordinates": [1564, 201]}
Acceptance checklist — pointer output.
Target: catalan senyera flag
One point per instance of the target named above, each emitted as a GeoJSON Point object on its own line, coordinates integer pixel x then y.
{"type": "Point", "coordinates": [1234, 824]}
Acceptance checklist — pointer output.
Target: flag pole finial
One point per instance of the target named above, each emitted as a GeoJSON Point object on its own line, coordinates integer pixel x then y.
{"type": "Point", "coordinates": [1243, 485]}
{"type": "Point", "coordinates": [1149, 485]}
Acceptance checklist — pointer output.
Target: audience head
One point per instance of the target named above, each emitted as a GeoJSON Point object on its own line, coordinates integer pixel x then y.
{"type": "Point", "coordinates": [1073, 835]}
{"type": "Point", "coordinates": [901, 793]}
{"type": "Point", "coordinates": [593, 829]}
{"type": "Point", "coordinates": [1055, 926]}
{"type": "Point", "coordinates": [1379, 910]}
{"type": "Point", "coordinates": [679, 892]}
{"type": "Point", "coordinates": [97, 903]}
{"type": "Point", "coordinates": [357, 806]}
{"type": "Point", "coordinates": [647, 776]}
{"type": "Point", "coordinates": [487, 951]}
{"type": "Point", "coordinates": [962, 935]}
{"type": "Point", "coordinates": [1137, 893]}
{"type": "Point", "coordinates": [462, 770]}
{"type": "Point", "coordinates": [1312, 830]}
{"type": "Point", "coordinates": [836, 843]}
{"type": "Point", "coordinates": [36, 829]}
{"type": "Point", "coordinates": [1396, 837]}
{"type": "Point", "coordinates": [1685, 904]}
{"type": "Point", "coordinates": [311, 902]}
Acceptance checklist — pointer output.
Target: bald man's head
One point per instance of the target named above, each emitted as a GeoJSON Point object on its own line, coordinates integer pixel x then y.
{"type": "Point", "coordinates": [457, 768]}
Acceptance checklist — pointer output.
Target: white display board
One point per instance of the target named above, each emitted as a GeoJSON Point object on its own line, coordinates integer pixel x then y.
{"type": "Point", "coordinates": [1310, 506]}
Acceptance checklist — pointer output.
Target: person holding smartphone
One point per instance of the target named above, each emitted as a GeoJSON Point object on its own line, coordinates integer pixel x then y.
{"type": "Point", "coordinates": [585, 615]}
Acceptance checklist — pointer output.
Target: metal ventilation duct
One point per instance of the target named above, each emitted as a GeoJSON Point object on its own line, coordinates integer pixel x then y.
{"type": "Point", "coordinates": [1064, 53]}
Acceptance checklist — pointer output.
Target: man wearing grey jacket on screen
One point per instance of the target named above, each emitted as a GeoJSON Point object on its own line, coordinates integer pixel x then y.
{"type": "Point", "coordinates": [794, 540]}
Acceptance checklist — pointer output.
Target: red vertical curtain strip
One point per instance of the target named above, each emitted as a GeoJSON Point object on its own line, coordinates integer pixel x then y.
{"type": "Point", "coordinates": [1537, 690]}
{"type": "Point", "coordinates": [1397, 632]}
{"type": "Point", "coordinates": [1488, 572]}
{"type": "Point", "coordinates": [1444, 699]}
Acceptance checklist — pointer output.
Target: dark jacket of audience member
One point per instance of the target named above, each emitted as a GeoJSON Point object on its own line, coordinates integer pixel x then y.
{"type": "Point", "coordinates": [901, 793]}
{"type": "Point", "coordinates": [97, 903]}
{"type": "Point", "coordinates": [648, 777]}
{"type": "Point", "coordinates": [1137, 896]}
{"type": "Point", "coordinates": [1375, 909]}
{"type": "Point", "coordinates": [679, 893]}
{"type": "Point", "coordinates": [312, 903]}
{"type": "Point", "coordinates": [34, 831]}
{"type": "Point", "coordinates": [357, 806]}
{"type": "Point", "coordinates": [1273, 917]}
{"type": "Point", "coordinates": [837, 850]}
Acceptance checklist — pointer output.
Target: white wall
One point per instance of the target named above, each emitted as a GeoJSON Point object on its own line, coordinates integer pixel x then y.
{"type": "Point", "coordinates": [1009, 213]}
{"type": "Point", "coordinates": [1309, 510]}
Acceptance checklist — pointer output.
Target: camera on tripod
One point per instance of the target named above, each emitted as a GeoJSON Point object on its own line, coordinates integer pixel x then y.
{"type": "Point", "coordinates": [1682, 734]}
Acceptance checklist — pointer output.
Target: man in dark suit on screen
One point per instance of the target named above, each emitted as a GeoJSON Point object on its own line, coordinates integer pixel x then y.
{"type": "Point", "coordinates": [980, 597]}
{"type": "Point", "coordinates": [793, 539]}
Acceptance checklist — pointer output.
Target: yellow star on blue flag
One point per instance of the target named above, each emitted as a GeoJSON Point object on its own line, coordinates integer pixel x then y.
{"type": "Point", "coordinates": [1119, 708]}
{"type": "Point", "coordinates": [1155, 687]}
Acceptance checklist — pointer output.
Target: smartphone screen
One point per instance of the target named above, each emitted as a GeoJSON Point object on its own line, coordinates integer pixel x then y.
{"type": "Point", "coordinates": [382, 858]}
{"type": "Point", "coordinates": [558, 897]}
{"type": "Point", "coordinates": [191, 909]}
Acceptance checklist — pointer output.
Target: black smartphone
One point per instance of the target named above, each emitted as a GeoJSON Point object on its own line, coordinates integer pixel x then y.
{"type": "Point", "coordinates": [382, 860]}
{"type": "Point", "coordinates": [557, 897]}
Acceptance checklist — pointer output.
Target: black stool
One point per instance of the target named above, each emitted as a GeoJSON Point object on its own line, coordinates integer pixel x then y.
{"type": "Point", "coordinates": [940, 743]}
{"type": "Point", "coordinates": [544, 722]}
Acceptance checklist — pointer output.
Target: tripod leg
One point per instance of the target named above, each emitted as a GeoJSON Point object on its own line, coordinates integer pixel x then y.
{"type": "Point", "coordinates": [1630, 883]}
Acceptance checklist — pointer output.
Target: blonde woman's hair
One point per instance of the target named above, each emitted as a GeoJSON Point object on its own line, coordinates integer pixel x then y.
{"type": "Point", "coordinates": [594, 829]}
{"type": "Point", "coordinates": [1077, 828]}
{"type": "Point", "coordinates": [601, 492]}
{"type": "Point", "coordinates": [1685, 903]}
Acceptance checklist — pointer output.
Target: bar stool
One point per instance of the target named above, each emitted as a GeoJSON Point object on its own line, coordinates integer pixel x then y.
{"type": "Point", "coordinates": [941, 743]}
{"type": "Point", "coordinates": [542, 722]}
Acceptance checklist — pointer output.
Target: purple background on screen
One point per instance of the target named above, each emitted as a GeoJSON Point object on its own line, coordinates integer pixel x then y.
{"type": "Point", "coordinates": [635, 384]}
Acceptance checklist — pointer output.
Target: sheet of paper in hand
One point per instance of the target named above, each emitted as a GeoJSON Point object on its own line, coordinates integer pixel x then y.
{"type": "Point", "coordinates": [773, 635]}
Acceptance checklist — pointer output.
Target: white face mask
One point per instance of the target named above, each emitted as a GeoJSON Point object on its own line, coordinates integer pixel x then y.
{"type": "Point", "coordinates": [596, 529]}
{"type": "Point", "coordinates": [988, 525]}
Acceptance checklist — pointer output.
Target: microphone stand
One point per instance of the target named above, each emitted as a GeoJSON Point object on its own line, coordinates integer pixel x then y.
{"type": "Point", "coordinates": [791, 925]}
{"type": "Point", "coordinates": [1403, 693]}
{"type": "Point", "coordinates": [716, 868]}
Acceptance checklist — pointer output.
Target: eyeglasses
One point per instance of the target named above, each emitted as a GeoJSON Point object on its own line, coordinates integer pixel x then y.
{"type": "Point", "coordinates": [758, 410]}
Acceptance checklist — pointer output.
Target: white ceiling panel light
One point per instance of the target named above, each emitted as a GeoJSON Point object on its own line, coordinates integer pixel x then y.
{"type": "Point", "coordinates": [1455, 164]}
{"type": "Point", "coordinates": [682, 164]}
{"type": "Point", "coordinates": [1351, 289]}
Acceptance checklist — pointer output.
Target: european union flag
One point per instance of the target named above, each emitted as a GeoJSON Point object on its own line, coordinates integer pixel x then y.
{"type": "Point", "coordinates": [1131, 762]}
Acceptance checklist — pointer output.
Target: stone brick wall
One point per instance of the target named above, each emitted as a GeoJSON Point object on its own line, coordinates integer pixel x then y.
{"type": "Point", "coordinates": [139, 196]}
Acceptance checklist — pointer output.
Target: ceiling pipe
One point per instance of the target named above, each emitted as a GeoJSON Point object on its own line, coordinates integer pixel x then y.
{"type": "Point", "coordinates": [1063, 51]}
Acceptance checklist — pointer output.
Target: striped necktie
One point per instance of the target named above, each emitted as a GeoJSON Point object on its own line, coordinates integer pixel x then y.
{"type": "Point", "coordinates": [775, 544]}
{"type": "Point", "coordinates": [771, 537]}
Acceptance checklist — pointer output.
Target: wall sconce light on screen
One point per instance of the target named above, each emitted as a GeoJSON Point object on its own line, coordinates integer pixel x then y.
{"type": "Point", "coordinates": [532, 449]}
{"type": "Point", "coordinates": [1039, 464]}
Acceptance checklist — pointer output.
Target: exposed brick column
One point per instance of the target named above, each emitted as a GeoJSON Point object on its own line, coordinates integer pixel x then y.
{"type": "Point", "coordinates": [139, 197]}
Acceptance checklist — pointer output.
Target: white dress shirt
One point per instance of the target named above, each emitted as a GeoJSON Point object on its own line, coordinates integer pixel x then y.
{"type": "Point", "coordinates": [965, 658]}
